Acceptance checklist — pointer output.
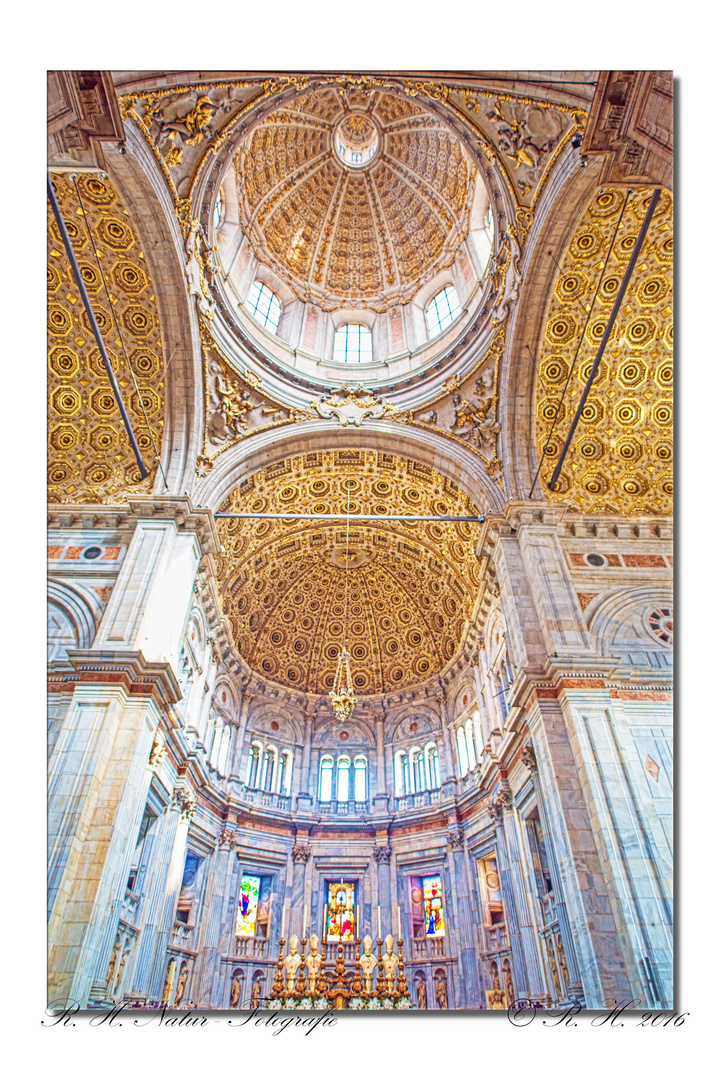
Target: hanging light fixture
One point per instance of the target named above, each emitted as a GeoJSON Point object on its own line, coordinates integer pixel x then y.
{"type": "Point", "coordinates": [342, 694]}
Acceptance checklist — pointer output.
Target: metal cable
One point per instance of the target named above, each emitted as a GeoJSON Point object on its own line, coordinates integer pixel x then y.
{"type": "Point", "coordinates": [628, 193]}
{"type": "Point", "coordinates": [119, 334]}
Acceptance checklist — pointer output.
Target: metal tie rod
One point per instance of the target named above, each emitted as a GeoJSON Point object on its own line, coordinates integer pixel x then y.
{"type": "Point", "coordinates": [93, 323]}
{"type": "Point", "coordinates": [478, 519]}
{"type": "Point", "coordinates": [606, 336]}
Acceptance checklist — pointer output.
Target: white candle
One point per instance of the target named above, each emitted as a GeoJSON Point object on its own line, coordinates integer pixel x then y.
{"type": "Point", "coordinates": [304, 920]}
{"type": "Point", "coordinates": [282, 923]}
{"type": "Point", "coordinates": [397, 908]}
{"type": "Point", "coordinates": [379, 930]}
{"type": "Point", "coordinates": [324, 924]}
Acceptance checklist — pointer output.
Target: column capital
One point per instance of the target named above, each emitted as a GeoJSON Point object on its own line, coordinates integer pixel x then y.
{"type": "Point", "coordinates": [301, 853]}
{"type": "Point", "coordinates": [126, 667]}
{"type": "Point", "coordinates": [382, 853]}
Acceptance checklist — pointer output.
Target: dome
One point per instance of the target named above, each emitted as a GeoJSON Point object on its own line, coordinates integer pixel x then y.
{"type": "Point", "coordinates": [354, 197]}
{"type": "Point", "coordinates": [410, 585]}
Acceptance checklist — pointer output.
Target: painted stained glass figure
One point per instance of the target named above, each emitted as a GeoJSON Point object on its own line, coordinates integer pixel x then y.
{"type": "Point", "coordinates": [434, 913]}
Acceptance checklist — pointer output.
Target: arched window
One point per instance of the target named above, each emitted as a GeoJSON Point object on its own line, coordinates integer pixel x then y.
{"type": "Point", "coordinates": [418, 768]}
{"type": "Point", "coordinates": [470, 744]}
{"type": "Point", "coordinates": [400, 766]}
{"type": "Point", "coordinates": [223, 753]}
{"type": "Point", "coordinates": [326, 771]}
{"type": "Point", "coordinates": [432, 766]}
{"type": "Point", "coordinates": [360, 779]}
{"type": "Point", "coordinates": [252, 766]}
{"type": "Point", "coordinates": [343, 779]}
{"type": "Point", "coordinates": [263, 305]}
{"type": "Point", "coordinates": [285, 773]}
{"type": "Point", "coordinates": [443, 309]}
{"type": "Point", "coordinates": [219, 209]}
{"type": "Point", "coordinates": [353, 344]}
{"type": "Point", "coordinates": [268, 769]}
{"type": "Point", "coordinates": [407, 776]}
{"type": "Point", "coordinates": [462, 751]}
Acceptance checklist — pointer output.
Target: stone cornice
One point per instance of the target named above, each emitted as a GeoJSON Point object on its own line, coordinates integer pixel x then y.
{"type": "Point", "coordinates": [126, 668]}
{"type": "Point", "coordinates": [177, 508]}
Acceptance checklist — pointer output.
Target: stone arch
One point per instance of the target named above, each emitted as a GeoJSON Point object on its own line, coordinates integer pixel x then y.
{"type": "Point", "coordinates": [556, 217]}
{"type": "Point", "coordinates": [79, 611]}
{"type": "Point", "coordinates": [449, 458]}
{"type": "Point", "coordinates": [146, 196]}
{"type": "Point", "coordinates": [608, 614]}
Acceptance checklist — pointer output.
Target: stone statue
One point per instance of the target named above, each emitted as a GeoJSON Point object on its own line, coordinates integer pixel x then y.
{"type": "Point", "coordinates": [553, 966]}
{"type": "Point", "coordinates": [255, 993]}
{"type": "Point", "coordinates": [562, 961]}
{"type": "Point", "coordinates": [368, 963]}
{"type": "Point", "coordinates": [120, 969]}
{"type": "Point", "coordinates": [167, 989]}
{"type": "Point", "coordinates": [441, 992]}
{"type": "Point", "coordinates": [389, 963]}
{"type": "Point", "coordinates": [291, 963]}
{"type": "Point", "coordinates": [182, 983]}
{"type": "Point", "coordinates": [509, 988]}
{"type": "Point", "coordinates": [313, 963]}
{"type": "Point", "coordinates": [235, 990]}
{"type": "Point", "coordinates": [421, 994]}
{"type": "Point", "coordinates": [113, 962]}
{"type": "Point", "coordinates": [496, 997]}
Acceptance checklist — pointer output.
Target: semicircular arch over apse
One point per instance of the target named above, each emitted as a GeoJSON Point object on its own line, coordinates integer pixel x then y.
{"type": "Point", "coordinates": [411, 585]}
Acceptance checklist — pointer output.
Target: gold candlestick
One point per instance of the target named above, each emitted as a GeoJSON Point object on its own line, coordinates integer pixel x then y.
{"type": "Point", "coordinates": [278, 984]}
{"type": "Point", "coordinates": [380, 989]}
{"type": "Point", "coordinates": [402, 987]}
{"type": "Point", "coordinates": [357, 985]}
{"type": "Point", "coordinates": [300, 981]}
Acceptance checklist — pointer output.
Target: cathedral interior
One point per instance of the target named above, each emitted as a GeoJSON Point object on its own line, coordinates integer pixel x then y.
{"type": "Point", "coordinates": [360, 539]}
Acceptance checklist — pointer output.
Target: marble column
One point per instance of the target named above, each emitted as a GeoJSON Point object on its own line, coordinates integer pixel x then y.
{"type": "Point", "coordinates": [527, 930]}
{"type": "Point", "coordinates": [575, 989]}
{"type": "Point", "coordinates": [482, 709]}
{"type": "Point", "coordinates": [304, 797]}
{"type": "Point", "coordinates": [467, 990]}
{"type": "Point", "coordinates": [213, 939]}
{"type": "Point", "coordinates": [447, 746]}
{"type": "Point", "coordinates": [380, 800]}
{"type": "Point", "coordinates": [520, 972]}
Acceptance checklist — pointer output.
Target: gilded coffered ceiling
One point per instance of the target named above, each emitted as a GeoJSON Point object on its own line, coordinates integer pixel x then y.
{"type": "Point", "coordinates": [620, 459]}
{"type": "Point", "coordinates": [89, 455]}
{"type": "Point", "coordinates": [412, 585]}
{"type": "Point", "coordinates": [344, 234]}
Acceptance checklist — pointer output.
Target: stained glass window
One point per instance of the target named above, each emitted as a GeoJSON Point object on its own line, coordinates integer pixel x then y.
{"type": "Point", "coordinates": [246, 924]}
{"type": "Point", "coordinates": [264, 306]}
{"type": "Point", "coordinates": [434, 913]}
{"type": "Point", "coordinates": [341, 911]}
{"type": "Point", "coordinates": [443, 309]}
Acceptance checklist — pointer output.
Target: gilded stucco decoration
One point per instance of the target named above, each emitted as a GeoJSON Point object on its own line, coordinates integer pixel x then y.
{"type": "Point", "coordinates": [339, 237]}
{"type": "Point", "coordinates": [89, 455]}
{"type": "Point", "coordinates": [238, 406]}
{"type": "Point", "coordinates": [412, 584]}
{"type": "Point", "coordinates": [188, 126]}
{"type": "Point", "coordinates": [620, 459]}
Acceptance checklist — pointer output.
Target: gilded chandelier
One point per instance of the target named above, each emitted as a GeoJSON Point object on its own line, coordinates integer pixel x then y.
{"type": "Point", "coordinates": [342, 694]}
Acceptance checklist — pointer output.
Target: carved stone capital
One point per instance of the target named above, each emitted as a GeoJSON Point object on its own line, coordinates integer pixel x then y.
{"type": "Point", "coordinates": [226, 840]}
{"type": "Point", "coordinates": [382, 854]}
{"type": "Point", "coordinates": [301, 853]}
{"type": "Point", "coordinates": [455, 838]}
{"type": "Point", "coordinates": [528, 758]}
{"type": "Point", "coordinates": [184, 800]}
